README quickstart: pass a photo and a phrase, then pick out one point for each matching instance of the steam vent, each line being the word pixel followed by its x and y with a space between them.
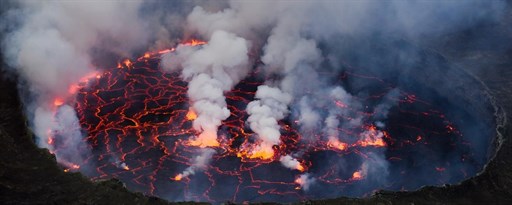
pixel 240 102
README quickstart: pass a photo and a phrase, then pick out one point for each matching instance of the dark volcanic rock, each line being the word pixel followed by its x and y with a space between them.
pixel 475 51
pixel 29 175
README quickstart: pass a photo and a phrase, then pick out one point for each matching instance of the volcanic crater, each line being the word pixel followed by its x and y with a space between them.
pixel 440 130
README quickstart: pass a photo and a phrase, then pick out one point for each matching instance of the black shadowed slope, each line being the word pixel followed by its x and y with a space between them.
pixel 29 175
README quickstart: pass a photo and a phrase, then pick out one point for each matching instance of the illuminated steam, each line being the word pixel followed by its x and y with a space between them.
pixel 199 163
pixel 305 181
pixel 265 112
pixel 50 50
pixel 53 46
pixel 211 70
pixel 291 163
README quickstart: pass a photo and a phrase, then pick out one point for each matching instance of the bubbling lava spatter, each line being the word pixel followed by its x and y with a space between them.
pixel 139 125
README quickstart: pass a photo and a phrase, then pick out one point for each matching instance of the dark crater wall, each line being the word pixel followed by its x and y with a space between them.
pixel 29 175
pixel 29 171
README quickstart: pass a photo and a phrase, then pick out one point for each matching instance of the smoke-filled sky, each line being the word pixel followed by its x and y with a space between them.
pixel 52 45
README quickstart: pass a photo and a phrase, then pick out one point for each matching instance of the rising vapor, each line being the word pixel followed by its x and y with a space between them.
pixel 58 47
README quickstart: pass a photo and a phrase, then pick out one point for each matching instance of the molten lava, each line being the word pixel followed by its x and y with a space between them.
pixel 138 122
pixel 58 102
pixel 335 143
pixel 357 175
pixel 259 152
pixel 194 42
pixel 205 139
pixel 191 115
pixel 178 177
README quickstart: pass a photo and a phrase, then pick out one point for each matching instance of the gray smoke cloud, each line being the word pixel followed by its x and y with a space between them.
pixel 291 51
pixel 55 44
pixel 50 49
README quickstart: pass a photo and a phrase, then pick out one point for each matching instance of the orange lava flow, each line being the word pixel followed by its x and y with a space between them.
pixel 205 139
pixel 300 168
pixel 194 42
pixel 191 115
pixel 257 152
pixel 178 177
pixel 357 175
pixel 335 143
pixel 58 102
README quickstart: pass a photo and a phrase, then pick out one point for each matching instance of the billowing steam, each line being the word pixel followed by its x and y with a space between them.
pixel 52 50
pixel 61 127
pixel 265 113
pixel 305 181
pixel 211 70
pixel 56 45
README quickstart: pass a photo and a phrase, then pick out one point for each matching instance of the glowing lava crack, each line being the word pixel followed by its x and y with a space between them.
pixel 138 122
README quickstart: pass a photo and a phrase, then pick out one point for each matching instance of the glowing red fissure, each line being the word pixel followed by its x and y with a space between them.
pixel 164 96
pixel 252 154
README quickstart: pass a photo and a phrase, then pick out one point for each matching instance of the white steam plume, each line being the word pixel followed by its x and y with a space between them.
pixel 264 114
pixel 64 129
pixel 340 100
pixel 211 70
pixel 51 50
pixel 305 181
pixel 291 163
pixel 381 111
pixel 198 163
